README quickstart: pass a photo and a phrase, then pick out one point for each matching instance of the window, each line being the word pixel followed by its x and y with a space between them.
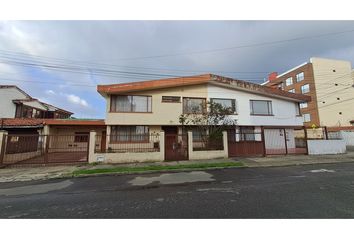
pixel 303 105
pixel 129 134
pixel 247 134
pixel 198 134
pixel 292 90
pixel 121 103
pixel 289 81
pixel 300 77
pixel 36 113
pixel 297 109
pixel 27 112
pixel 307 117
pixel 305 88
pixel 226 103
pixel 281 86
pixel 171 99
pixel 194 105
pixel 261 107
pixel 81 137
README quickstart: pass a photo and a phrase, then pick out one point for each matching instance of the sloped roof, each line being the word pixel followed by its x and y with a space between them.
pixel 35 122
pixel 200 79
pixel 19 89
pixel 76 122
pixel 46 106
pixel 21 122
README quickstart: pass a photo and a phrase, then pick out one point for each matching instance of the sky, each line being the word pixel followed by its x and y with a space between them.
pixel 82 54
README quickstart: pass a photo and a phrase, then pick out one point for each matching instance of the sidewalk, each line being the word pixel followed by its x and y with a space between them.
pixel 42 173
pixel 290 160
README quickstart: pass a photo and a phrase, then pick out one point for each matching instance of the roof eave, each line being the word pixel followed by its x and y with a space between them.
pixel 294 99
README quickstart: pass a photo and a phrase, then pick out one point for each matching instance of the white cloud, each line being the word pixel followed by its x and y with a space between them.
pixel 49 92
pixel 77 100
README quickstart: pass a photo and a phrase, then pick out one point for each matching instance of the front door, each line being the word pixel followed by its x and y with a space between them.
pixel 176 145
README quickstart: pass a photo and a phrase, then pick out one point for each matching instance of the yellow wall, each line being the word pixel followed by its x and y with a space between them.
pixel 162 113
pixel 327 93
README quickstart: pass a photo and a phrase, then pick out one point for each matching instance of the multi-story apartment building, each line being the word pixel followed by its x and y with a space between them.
pixel 330 84
pixel 265 116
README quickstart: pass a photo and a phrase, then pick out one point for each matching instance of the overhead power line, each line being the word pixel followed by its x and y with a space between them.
pixel 237 47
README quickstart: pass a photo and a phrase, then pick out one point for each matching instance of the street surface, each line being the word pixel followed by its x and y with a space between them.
pixel 308 191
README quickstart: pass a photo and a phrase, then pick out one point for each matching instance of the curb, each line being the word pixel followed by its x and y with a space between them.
pixel 151 171
pixel 295 164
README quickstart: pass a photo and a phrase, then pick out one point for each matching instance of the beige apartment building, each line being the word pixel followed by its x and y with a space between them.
pixel 329 82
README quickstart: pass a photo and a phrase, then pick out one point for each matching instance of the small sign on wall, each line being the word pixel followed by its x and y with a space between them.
pixel 100 158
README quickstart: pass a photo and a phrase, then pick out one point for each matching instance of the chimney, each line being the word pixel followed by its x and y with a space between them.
pixel 272 76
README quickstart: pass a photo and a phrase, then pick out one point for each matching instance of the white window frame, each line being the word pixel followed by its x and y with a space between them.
pixel 306 117
pixel 298 77
pixel 303 105
pixel 289 81
pixel 292 90
pixel 302 88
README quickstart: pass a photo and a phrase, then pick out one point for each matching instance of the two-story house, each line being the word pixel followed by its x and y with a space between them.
pixel 18 104
pixel 266 117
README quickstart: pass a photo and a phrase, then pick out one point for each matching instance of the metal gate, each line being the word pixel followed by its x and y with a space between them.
pixel 44 149
pixel 176 147
pixel 245 144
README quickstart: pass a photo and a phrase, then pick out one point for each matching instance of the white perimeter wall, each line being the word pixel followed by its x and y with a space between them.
pixel 284 111
pixel 348 138
pixel 317 147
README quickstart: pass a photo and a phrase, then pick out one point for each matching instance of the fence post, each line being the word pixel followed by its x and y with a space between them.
pixel 162 145
pixel 307 147
pixel 225 142
pixel 286 142
pixel 326 132
pixel 46 148
pixel 263 141
pixel 91 146
pixel 3 134
pixel 190 145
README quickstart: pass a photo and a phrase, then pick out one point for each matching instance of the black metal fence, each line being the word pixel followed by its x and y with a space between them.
pixel 208 143
pixel 122 143
pixel 43 149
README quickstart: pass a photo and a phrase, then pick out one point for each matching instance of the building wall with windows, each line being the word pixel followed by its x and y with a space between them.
pixel 301 79
pixel 283 113
pixel 329 82
pixel 268 111
pixel 162 113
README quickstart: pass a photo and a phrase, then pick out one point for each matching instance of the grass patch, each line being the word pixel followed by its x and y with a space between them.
pixel 157 168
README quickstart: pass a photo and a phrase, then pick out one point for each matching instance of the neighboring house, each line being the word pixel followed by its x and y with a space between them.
pixel 266 117
pixel 330 84
pixel 33 141
pixel 15 103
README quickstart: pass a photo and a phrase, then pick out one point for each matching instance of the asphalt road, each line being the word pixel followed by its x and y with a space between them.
pixel 312 191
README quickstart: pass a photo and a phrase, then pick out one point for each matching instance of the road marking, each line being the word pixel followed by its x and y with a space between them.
pixel 174 178
pixel 35 189
pixel 322 170
pixel 223 190
pixel 226 182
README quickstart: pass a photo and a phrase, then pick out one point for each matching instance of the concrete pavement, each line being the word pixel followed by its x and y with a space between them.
pixel 40 173
pixel 289 160
pixel 306 191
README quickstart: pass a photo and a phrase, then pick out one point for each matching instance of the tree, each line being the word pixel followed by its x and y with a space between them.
pixel 210 121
